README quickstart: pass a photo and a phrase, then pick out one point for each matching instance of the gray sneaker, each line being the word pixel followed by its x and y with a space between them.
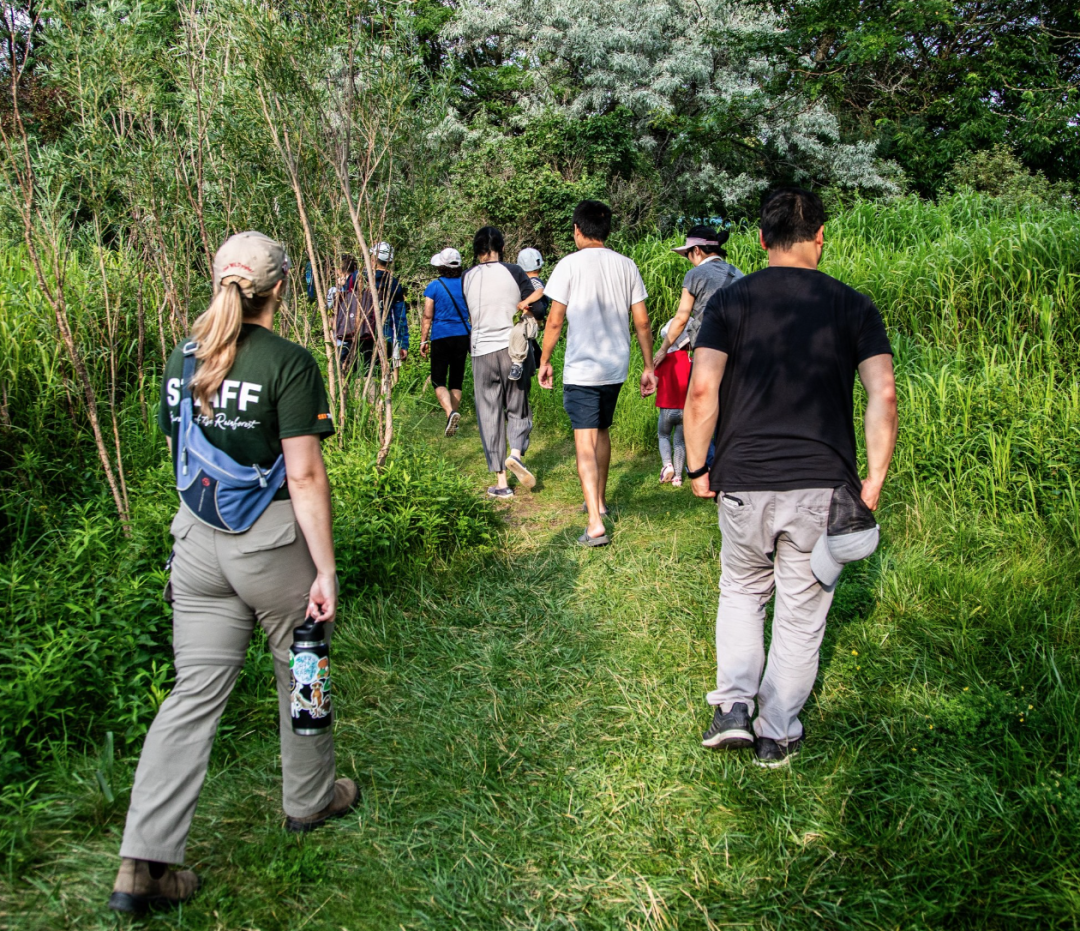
pixel 521 471
pixel 729 731
pixel 495 492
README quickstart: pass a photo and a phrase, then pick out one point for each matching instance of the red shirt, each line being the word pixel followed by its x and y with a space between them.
pixel 672 379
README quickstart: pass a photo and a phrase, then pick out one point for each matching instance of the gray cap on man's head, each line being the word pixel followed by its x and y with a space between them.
pixel 530 260
pixel 251 257
pixel 852 534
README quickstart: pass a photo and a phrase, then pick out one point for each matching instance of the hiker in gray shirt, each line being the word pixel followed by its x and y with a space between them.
pixel 704 247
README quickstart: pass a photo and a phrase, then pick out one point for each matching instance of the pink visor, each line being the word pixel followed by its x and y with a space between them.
pixel 692 241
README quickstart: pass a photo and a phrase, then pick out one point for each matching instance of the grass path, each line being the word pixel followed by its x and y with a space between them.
pixel 525 731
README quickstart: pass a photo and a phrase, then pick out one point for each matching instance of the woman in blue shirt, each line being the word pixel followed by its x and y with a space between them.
pixel 444 334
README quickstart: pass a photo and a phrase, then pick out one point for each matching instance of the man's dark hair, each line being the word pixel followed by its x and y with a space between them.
pixel 790 215
pixel 346 263
pixel 707 232
pixel 487 239
pixel 593 219
pixel 450 271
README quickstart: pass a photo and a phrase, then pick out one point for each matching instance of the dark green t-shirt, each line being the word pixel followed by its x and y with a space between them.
pixel 273 391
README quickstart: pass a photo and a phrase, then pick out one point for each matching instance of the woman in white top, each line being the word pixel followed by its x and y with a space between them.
pixel 494 292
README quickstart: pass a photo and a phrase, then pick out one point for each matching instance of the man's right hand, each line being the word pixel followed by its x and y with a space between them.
pixel 871 493
pixel 546 375
pixel 648 383
pixel 425 349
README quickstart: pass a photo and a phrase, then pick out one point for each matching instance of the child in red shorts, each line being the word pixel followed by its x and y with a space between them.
pixel 672 381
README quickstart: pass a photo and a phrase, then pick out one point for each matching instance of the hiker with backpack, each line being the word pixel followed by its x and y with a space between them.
pixel 444 335
pixel 394 307
pixel 704 248
pixel 355 320
pixel 244 413
pixel 352 338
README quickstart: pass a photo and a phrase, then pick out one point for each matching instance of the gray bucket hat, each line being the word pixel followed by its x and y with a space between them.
pixel 253 257
pixel 852 534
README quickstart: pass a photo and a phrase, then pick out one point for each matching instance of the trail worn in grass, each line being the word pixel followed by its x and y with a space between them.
pixel 525 727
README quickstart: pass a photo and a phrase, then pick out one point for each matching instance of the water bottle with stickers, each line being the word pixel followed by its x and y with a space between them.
pixel 309 674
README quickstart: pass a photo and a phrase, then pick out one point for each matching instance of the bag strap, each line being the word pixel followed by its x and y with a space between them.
pixel 190 348
pixel 453 301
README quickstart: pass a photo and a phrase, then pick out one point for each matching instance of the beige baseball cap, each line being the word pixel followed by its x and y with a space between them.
pixel 252 257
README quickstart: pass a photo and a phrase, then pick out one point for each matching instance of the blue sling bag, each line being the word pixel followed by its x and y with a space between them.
pixel 218 490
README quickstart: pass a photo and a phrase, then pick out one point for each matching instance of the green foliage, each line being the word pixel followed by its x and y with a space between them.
pixel 999 173
pixel 933 82
pixel 529 184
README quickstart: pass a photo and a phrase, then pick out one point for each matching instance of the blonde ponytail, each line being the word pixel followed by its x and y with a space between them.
pixel 216 331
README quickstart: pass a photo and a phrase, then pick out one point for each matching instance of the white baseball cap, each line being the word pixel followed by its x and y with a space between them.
pixel 448 258
pixel 530 260
pixel 383 251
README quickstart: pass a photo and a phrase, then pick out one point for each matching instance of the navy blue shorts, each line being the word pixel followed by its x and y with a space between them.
pixel 591 407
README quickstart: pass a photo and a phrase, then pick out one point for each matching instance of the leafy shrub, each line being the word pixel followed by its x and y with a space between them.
pixel 999 173
pixel 87 646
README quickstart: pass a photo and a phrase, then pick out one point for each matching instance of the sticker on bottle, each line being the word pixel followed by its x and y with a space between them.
pixel 305 668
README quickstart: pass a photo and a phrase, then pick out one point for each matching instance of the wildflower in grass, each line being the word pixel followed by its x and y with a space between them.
pixel 854 652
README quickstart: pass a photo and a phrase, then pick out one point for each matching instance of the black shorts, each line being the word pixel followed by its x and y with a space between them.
pixel 591 407
pixel 448 357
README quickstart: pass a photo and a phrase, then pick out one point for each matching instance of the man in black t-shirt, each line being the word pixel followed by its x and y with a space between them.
pixel 785 343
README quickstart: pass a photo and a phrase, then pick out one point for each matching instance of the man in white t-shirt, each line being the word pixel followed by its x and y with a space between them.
pixel 597 292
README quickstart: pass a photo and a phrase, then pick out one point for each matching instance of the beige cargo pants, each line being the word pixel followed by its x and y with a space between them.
pixel 223 584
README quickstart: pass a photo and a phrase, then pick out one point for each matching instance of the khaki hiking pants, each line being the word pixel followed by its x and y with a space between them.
pixel 223 584
pixel 525 329
pixel 766 545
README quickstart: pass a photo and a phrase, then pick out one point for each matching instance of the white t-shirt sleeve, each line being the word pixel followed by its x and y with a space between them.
pixel 637 286
pixel 558 285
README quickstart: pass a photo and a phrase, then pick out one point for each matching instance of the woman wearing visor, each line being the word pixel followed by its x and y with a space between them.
pixel 704 248
pixel 256 397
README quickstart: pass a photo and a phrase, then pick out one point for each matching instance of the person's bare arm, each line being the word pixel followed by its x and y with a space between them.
pixel 677 325
pixel 702 409
pixel 552 331
pixel 523 304
pixel 880 423
pixel 425 326
pixel 309 489
pixel 640 316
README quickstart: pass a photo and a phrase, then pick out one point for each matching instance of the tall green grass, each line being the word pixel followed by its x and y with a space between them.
pixel 524 716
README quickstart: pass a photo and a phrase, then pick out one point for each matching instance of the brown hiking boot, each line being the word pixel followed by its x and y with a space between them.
pixel 136 891
pixel 346 795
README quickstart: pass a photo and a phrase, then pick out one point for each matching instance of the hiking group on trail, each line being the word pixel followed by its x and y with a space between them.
pixel 760 416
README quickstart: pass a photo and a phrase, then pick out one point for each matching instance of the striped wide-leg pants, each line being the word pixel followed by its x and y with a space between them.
pixel 502 406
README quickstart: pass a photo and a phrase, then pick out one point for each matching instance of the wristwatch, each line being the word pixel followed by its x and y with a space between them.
pixel 697 473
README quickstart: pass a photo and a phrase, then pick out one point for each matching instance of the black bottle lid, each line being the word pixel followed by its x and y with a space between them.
pixel 311 631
